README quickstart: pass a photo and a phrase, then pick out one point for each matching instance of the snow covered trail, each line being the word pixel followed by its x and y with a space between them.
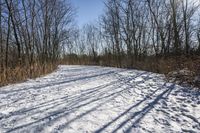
pixel 82 99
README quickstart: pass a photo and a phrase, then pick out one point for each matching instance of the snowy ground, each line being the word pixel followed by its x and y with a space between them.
pixel 82 99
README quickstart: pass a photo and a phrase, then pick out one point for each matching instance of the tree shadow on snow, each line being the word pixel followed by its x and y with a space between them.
pixel 100 95
pixel 139 114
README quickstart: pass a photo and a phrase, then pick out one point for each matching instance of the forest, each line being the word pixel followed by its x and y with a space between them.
pixel 153 35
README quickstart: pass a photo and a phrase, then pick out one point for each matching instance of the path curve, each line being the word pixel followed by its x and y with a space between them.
pixel 82 99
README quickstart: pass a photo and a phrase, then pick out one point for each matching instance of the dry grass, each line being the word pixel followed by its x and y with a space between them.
pixel 168 65
pixel 22 73
pixel 163 65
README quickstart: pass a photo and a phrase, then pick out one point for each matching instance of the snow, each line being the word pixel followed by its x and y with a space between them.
pixel 84 99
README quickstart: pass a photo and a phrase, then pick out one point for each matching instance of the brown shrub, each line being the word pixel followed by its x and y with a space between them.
pixel 22 73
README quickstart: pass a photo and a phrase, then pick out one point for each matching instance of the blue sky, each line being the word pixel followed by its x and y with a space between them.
pixel 88 10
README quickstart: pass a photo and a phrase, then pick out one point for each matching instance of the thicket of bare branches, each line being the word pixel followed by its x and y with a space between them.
pixel 33 31
pixel 32 35
pixel 131 30
pixel 139 28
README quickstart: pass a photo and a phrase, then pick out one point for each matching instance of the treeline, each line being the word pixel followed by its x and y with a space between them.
pixel 132 31
pixel 32 35
pixel 145 27
pixel 153 35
